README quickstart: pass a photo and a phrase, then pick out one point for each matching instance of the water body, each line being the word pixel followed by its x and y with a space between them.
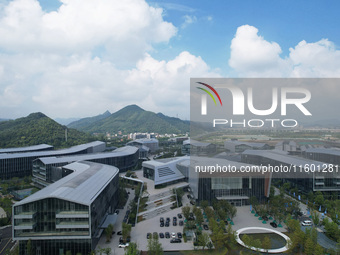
pixel 276 240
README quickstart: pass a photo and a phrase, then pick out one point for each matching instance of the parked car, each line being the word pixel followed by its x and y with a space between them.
pixel 167 235
pixel 167 224
pixel 306 223
pixel 148 235
pixel 205 227
pixel 175 240
pixel 179 234
pixel 174 223
pixel 179 216
pixel 123 245
pixel 167 219
pixel 173 235
pixel 161 219
pixel 273 224
pixel 161 235
pixel 119 233
pixel 174 218
pixel 180 223
pixel 161 224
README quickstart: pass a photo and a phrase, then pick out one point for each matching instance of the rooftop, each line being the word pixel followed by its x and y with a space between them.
pixel 39 154
pixel 120 152
pixel 82 186
pixel 330 151
pixel 282 156
pixel 27 148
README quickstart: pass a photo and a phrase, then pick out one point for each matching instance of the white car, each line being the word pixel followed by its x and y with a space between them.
pixel 123 245
pixel 173 235
pixel 306 223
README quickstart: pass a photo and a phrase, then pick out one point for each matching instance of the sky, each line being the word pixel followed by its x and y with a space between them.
pixel 79 58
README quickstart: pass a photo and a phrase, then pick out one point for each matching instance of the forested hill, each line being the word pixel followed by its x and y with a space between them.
pixel 132 119
pixel 37 128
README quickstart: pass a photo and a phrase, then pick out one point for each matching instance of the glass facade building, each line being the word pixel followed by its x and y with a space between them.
pixel 68 214
pixel 49 169
pixel 20 164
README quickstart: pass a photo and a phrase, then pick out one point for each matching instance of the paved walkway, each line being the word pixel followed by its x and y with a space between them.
pixel 113 244
pixel 244 218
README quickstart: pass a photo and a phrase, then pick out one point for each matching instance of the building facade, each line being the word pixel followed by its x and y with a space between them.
pixel 303 174
pixel 151 143
pixel 21 164
pixel 68 214
pixel 49 169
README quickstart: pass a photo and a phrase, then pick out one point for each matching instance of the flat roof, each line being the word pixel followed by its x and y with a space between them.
pixel 252 144
pixel 82 186
pixel 26 148
pixel 330 151
pixel 120 152
pixel 195 143
pixel 38 154
pixel 282 157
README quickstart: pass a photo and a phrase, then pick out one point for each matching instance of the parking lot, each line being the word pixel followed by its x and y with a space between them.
pixel 139 232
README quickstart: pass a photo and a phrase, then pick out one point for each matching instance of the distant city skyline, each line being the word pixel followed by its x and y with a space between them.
pixel 75 59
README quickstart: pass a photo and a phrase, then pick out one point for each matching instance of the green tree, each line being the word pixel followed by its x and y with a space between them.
pixel 154 247
pixel 126 230
pixel 186 211
pixel 68 253
pixel 132 249
pixel 266 244
pixel 203 240
pixel 315 218
pixel 309 246
pixel 204 204
pixel 29 248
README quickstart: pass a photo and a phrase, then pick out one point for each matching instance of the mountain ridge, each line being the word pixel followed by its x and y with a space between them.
pixel 37 128
pixel 130 119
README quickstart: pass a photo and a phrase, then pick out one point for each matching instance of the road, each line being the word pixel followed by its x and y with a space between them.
pixel 6 239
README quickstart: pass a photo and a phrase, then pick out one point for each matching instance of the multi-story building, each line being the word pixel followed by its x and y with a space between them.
pixel 238 146
pixel 20 164
pixel 305 174
pixel 49 169
pixel 151 143
pixel 67 215
pixel 237 188
pixel 192 147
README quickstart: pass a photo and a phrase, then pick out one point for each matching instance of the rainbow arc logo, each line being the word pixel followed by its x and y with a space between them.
pixel 209 93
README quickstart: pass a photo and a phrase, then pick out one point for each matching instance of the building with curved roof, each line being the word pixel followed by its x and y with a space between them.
pixel 68 214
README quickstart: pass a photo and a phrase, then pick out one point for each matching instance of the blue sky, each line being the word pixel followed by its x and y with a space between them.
pixel 77 58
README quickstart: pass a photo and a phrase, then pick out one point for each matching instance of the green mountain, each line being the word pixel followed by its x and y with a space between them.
pixel 37 128
pixel 132 119
pixel 79 124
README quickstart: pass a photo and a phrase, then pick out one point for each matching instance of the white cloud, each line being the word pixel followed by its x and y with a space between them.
pixel 188 19
pixel 252 56
pixel 129 26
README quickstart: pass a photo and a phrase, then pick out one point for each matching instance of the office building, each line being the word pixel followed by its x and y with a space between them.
pixel 151 143
pixel 192 147
pixel 47 170
pixel 20 164
pixel 238 146
pixel 68 215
